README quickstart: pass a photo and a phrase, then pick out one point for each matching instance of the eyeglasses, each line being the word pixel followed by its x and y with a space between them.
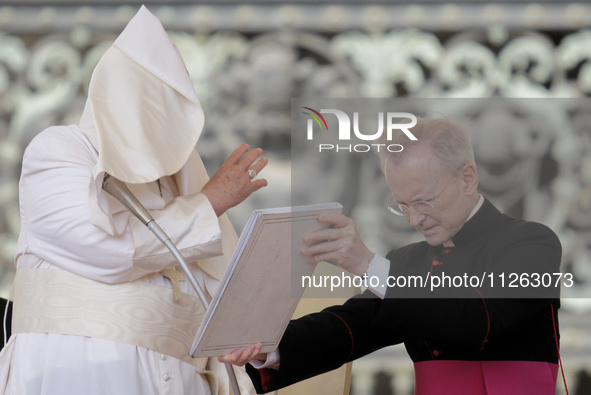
pixel 421 207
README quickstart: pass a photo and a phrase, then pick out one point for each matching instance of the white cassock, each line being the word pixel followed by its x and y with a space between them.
pixel 140 124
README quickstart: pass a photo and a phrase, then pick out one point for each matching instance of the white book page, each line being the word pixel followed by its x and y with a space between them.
pixel 256 300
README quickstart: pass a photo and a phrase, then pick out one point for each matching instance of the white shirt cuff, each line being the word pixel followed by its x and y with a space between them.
pixel 272 361
pixel 379 267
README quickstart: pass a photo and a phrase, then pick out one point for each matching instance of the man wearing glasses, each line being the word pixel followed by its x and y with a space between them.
pixel 464 338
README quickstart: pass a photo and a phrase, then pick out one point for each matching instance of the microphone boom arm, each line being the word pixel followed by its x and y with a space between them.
pixel 119 191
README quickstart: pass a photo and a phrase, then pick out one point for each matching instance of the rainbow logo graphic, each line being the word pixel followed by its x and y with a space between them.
pixel 315 117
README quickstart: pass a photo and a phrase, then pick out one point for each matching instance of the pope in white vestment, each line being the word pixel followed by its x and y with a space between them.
pixel 93 314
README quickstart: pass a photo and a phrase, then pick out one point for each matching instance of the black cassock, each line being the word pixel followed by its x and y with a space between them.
pixel 8 320
pixel 500 319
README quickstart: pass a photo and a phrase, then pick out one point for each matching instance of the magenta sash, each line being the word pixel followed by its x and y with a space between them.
pixel 485 378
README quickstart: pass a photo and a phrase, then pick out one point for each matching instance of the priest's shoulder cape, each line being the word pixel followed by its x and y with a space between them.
pixel 457 324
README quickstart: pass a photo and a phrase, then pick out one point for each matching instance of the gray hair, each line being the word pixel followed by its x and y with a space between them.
pixel 449 141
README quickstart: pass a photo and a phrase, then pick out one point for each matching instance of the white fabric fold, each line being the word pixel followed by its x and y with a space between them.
pixel 142 114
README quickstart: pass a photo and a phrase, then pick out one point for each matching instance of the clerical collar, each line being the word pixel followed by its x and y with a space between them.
pixel 450 242
pixel 476 208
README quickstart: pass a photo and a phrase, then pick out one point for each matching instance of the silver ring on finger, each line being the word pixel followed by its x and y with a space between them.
pixel 252 173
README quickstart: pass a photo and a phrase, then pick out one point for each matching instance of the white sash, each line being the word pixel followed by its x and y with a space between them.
pixel 146 315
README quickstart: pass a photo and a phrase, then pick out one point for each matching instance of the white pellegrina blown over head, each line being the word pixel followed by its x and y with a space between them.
pixel 142 114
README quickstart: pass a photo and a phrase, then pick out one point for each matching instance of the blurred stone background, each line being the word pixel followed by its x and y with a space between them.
pixel 248 59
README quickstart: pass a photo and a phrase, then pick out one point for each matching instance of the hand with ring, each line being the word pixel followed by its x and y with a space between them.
pixel 234 181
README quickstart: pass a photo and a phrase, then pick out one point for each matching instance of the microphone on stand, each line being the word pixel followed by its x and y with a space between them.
pixel 119 191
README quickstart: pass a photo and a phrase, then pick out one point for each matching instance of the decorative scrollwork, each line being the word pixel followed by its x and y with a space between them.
pixel 386 61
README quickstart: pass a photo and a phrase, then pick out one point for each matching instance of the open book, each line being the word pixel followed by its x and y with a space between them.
pixel 262 285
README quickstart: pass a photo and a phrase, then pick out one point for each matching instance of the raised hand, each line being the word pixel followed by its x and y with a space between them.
pixel 340 243
pixel 232 183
